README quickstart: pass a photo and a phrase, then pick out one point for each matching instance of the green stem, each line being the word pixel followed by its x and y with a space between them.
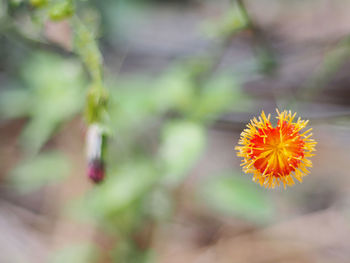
pixel 87 49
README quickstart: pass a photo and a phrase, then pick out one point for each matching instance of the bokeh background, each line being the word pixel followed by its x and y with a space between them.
pixel 184 78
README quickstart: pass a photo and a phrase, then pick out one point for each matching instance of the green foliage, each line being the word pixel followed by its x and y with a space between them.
pixel 131 104
pixel 183 142
pixel 174 90
pixel 15 2
pixel 123 187
pixel 47 167
pixel 61 10
pixel 55 10
pixel 81 253
pixel 234 20
pixel 53 95
pixel 15 103
pixel 232 194
pixel 219 94
pixel 38 3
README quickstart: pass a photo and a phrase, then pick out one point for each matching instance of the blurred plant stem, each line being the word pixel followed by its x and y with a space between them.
pixel 332 61
pixel 218 53
pixel 88 51
pixel 263 50
pixel 266 58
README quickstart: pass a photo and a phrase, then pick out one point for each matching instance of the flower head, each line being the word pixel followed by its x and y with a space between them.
pixel 275 154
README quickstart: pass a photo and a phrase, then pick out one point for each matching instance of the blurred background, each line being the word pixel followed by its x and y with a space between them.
pixel 183 80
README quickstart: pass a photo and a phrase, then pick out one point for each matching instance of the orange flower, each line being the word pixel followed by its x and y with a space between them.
pixel 275 154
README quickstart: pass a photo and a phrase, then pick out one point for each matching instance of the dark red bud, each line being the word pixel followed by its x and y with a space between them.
pixel 96 171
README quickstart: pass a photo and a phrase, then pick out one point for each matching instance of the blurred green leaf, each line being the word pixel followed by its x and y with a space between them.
pixel 182 144
pixel 131 104
pixel 38 3
pixel 55 94
pixel 220 94
pixel 232 194
pixel 175 90
pixel 81 253
pixel 139 99
pixel 35 172
pixel 61 10
pixel 234 20
pixel 15 103
pixel 15 2
pixel 123 187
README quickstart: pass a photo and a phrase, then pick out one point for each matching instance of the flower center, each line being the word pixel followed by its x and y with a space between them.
pixel 277 151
